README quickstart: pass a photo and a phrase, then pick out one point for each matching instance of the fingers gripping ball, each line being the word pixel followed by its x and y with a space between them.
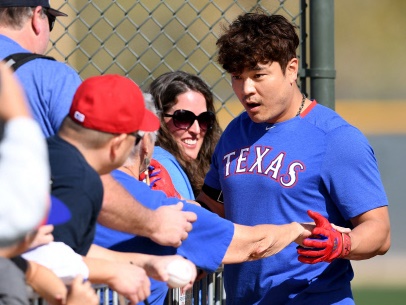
pixel 326 243
pixel 180 273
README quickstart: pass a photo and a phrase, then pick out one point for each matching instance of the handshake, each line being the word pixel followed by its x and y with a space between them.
pixel 326 243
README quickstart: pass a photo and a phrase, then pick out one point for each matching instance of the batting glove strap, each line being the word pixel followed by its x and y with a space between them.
pixel 346 238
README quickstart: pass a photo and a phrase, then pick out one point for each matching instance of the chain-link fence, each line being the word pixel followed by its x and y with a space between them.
pixel 145 38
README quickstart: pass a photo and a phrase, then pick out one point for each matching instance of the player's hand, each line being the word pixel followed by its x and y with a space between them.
pixel 325 244
pixel 171 225
pixel 160 179
pixel 81 293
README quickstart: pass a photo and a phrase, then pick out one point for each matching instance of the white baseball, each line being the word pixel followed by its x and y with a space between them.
pixel 179 272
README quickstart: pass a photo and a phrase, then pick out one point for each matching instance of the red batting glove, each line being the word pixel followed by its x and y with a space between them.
pixel 326 243
pixel 160 179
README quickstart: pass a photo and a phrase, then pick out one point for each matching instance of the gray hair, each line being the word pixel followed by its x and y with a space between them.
pixel 150 105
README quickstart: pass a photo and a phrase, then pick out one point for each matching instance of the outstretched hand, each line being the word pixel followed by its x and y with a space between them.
pixel 172 225
pixel 326 243
pixel 157 268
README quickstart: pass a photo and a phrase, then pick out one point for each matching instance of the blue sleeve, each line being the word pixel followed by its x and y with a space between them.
pixel 209 239
pixel 178 175
pixel 50 87
pixel 64 86
pixel 350 173
pixel 205 246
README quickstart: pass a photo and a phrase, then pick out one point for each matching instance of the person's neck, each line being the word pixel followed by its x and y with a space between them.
pixel 94 157
pixel 132 170
pixel 22 37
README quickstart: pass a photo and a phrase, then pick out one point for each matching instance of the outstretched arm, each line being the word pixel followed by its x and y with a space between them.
pixel 167 225
pixel 255 242
pixel 128 280
pixel 155 265
pixel 260 241
pixel 46 283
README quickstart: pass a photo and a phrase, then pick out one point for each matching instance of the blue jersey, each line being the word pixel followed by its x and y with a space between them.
pixel 179 178
pixel 274 173
pixel 205 246
pixel 49 86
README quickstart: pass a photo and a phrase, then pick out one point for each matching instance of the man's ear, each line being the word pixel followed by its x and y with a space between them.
pixel 37 20
pixel 292 69
pixel 115 145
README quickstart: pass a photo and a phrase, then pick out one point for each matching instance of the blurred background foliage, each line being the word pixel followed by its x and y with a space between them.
pixel 370 49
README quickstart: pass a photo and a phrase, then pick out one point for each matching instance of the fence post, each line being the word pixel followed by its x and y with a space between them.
pixel 322 70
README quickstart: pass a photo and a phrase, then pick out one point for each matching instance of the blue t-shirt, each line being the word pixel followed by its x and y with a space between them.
pixel 178 175
pixel 49 86
pixel 79 186
pixel 205 246
pixel 274 173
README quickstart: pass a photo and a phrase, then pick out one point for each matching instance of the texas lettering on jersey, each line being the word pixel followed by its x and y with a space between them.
pixel 253 160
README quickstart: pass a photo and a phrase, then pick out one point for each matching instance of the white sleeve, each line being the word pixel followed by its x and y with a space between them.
pixel 61 259
pixel 24 179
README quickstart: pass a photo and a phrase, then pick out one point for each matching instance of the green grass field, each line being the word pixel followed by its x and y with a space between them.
pixel 379 296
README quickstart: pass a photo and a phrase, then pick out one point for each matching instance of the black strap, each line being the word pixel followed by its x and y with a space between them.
pixel 16 60
pixel 213 193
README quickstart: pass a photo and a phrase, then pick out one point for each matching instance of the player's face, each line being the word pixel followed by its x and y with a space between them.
pixel 190 139
pixel 265 92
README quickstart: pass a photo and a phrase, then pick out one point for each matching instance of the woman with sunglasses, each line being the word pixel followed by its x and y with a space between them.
pixel 189 129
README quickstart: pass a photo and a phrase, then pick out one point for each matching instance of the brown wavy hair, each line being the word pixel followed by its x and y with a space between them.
pixel 255 38
pixel 165 90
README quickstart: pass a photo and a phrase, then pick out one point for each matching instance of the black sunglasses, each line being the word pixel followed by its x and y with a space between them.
pixel 51 19
pixel 138 136
pixel 184 119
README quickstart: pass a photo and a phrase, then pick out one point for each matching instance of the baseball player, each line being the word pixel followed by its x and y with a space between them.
pixel 286 155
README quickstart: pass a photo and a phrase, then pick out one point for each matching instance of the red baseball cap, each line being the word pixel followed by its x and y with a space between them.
pixel 112 103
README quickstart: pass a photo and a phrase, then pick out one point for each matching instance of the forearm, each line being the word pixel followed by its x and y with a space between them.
pixel 45 283
pixel 253 243
pixel 371 235
pixel 138 259
pixel 101 271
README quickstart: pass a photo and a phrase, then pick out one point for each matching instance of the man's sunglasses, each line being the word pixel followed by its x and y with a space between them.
pixel 184 119
pixel 51 19
pixel 138 136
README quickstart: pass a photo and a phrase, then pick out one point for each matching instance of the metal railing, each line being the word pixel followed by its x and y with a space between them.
pixel 208 291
